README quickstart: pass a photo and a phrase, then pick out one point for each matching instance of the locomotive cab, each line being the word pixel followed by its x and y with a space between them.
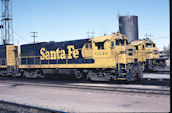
pixel 127 61
pixel 153 60
pixel 113 52
pixel 140 50
pixel 152 50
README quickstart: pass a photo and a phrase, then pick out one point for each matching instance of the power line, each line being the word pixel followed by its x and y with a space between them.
pixel 148 36
pixel 160 38
pixel 20 37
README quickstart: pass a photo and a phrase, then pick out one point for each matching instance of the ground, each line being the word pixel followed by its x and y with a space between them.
pixel 79 100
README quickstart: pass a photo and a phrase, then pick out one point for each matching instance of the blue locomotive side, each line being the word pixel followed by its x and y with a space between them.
pixel 67 52
pixel 2 55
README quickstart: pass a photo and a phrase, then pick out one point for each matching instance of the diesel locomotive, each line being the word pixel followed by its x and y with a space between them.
pixel 148 53
pixel 102 58
pixel 146 50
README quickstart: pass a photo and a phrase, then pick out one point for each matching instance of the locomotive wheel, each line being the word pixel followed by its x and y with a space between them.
pixel 139 72
pixel 139 75
pixel 32 74
pixel 130 75
pixel 107 76
pixel 40 74
pixel 26 74
pixel 93 76
pixel 78 74
pixel 131 72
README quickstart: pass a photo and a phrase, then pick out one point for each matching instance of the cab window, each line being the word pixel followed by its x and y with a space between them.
pixel 137 48
pixel 153 45
pixel 86 45
pixel 100 45
pixel 90 45
pixel 117 42
pixel 148 45
pixel 143 47
pixel 112 44
pixel 122 42
pixel 126 42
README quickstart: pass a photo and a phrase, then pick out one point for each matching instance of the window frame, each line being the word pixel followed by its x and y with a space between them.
pixel 99 45
pixel 143 47
pixel 118 42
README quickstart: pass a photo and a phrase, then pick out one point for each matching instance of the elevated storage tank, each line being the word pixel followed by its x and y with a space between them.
pixel 128 25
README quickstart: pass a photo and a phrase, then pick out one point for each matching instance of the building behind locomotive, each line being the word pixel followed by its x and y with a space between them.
pixel 101 58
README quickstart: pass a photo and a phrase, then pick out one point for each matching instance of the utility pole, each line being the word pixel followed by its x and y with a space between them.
pixel 34 36
pixel 148 36
pixel 6 22
pixel 88 33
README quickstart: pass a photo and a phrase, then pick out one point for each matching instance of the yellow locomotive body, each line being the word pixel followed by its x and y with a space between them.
pixel 110 57
pixel 148 53
pixel 8 60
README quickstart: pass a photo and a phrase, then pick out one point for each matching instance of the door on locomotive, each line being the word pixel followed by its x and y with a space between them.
pixel 12 59
pixel 88 51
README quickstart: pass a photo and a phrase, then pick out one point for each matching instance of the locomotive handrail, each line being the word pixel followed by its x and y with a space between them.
pixel 1 61
pixel 34 57
pixel 29 56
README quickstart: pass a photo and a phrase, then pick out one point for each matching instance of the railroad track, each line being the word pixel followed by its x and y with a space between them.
pixel 132 88
pixel 11 107
pixel 158 72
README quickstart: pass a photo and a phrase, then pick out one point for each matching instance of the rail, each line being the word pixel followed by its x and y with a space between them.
pixel 129 89
pixel 22 108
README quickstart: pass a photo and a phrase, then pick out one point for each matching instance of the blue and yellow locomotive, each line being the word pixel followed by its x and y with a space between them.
pixel 101 58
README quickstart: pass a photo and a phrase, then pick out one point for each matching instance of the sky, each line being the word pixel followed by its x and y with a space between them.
pixel 62 20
